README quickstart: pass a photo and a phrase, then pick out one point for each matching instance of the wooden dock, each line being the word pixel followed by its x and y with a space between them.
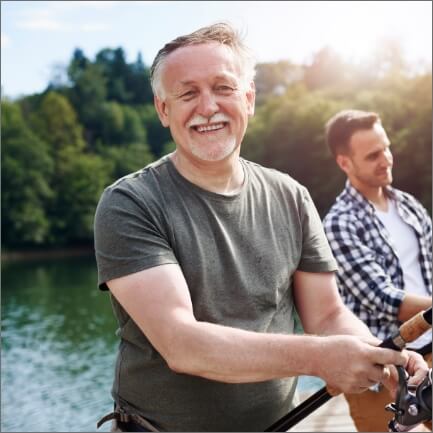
pixel 333 416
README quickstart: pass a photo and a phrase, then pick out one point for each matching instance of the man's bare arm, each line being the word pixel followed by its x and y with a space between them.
pixel 321 308
pixel 322 311
pixel 412 304
pixel 158 301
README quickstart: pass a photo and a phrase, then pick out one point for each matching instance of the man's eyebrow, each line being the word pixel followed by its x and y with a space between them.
pixel 378 151
pixel 372 154
pixel 229 77
pixel 180 87
pixel 187 83
pixel 216 77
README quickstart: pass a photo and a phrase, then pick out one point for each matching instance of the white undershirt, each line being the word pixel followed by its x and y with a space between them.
pixel 406 246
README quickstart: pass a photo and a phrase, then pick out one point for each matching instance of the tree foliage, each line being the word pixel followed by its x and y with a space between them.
pixel 26 170
pixel 62 147
pixel 287 131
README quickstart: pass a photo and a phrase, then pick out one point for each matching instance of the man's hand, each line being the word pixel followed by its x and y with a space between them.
pixel 350 364
pixel 416 367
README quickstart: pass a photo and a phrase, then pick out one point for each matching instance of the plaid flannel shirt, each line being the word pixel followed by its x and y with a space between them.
pixel 370 278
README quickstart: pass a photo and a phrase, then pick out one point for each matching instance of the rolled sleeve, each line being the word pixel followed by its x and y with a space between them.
pixel 360 272
pixel 128 238
pixel 316 253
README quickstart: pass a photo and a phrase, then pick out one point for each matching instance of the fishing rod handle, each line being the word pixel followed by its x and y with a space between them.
pixel 416 326
pixel 408 332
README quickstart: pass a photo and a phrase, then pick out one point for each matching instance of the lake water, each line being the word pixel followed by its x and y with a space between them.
pixel 59 347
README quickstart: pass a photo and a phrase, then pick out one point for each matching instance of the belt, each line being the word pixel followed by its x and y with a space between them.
pixel 131 421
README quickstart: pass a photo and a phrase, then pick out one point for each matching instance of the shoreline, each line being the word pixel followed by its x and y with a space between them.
pixel 48 253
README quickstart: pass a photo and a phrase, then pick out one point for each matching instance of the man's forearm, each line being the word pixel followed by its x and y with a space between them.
pixel 237 356
pixel 343 321
pixel 232 355
pixel 413 304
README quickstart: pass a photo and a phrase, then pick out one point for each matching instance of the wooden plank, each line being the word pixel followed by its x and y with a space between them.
pixel 333 416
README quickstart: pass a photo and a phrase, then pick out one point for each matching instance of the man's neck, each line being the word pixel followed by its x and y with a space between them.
pixel 376 195
pixel 222 177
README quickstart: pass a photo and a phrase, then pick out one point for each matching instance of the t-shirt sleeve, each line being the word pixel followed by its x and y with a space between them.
pixel 129 234
pixel 316 255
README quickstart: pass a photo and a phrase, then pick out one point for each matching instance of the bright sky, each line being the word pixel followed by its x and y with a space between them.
pixel 37 36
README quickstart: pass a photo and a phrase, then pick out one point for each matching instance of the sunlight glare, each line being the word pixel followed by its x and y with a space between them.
pixel 360 29
pixel 358 35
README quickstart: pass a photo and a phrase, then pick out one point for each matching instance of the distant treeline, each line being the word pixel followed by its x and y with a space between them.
pixel 62 147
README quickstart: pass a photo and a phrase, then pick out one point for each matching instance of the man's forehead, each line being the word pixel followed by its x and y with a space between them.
pixel 210 58
pixel 206 48
pixel 364 140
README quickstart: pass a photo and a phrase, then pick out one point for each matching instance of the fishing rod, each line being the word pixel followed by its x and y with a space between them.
pixel 408 332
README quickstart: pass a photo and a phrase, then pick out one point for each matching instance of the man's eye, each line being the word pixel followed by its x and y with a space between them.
pixel 188 95
pixel 225 89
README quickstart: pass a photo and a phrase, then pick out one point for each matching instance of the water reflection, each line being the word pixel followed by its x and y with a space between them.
pixel 58 346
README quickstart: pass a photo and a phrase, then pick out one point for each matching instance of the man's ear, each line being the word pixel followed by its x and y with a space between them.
pixel 251 98
pixel 162 110
pixel 344 162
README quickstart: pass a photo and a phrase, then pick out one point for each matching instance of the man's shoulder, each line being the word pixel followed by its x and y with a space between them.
pixel 137 185
pixel 139 177
pixel 404 196
pixel 410 203
pixel 343 205
pixel 272 176
pixel 344 211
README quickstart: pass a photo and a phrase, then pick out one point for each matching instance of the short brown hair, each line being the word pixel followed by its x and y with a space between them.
pixel 221 32
pixel 341 127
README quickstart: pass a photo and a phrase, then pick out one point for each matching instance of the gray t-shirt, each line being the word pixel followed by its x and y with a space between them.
pixel 238 254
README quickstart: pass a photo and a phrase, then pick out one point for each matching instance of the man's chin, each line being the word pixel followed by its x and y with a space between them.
pixel 388 182
pixel 213 155
pixel 384 181
pixel 383 184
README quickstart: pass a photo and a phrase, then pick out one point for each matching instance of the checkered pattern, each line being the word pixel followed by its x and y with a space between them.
pixel 370 278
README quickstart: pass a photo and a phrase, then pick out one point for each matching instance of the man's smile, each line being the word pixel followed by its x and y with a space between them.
pixel 209 127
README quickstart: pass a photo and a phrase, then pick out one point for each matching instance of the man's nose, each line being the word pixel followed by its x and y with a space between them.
pixel 207 104
pixel 387 158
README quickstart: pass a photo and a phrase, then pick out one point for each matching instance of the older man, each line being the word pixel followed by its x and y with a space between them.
pixel 206 255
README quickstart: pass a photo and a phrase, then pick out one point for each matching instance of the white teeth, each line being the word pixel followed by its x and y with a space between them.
pixel 212 127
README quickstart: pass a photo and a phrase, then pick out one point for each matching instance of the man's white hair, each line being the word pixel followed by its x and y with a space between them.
pixel 222 33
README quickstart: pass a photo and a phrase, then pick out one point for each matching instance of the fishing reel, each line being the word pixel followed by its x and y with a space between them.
pixel 413 404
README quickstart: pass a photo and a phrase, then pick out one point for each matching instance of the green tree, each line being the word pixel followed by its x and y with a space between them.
pixel 121 124
pixel 127 158
pixel 83 178
pixel 87 95
pixel 137 82
pixel 134 130
pixel 112 122
pixel 26 171
pixel 157 135
pixel 78 178
pixel 62 146
pixel 274 78
pixel 56 123
pixel 113 66
pixel 287 132
pixel 77 65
